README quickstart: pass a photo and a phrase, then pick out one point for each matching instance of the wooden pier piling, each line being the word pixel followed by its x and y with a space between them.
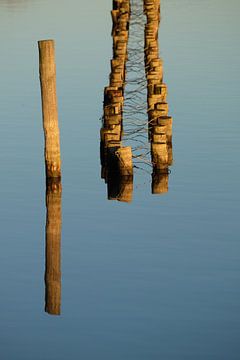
pixel 159 123
pixel 47 72
pixel 116 160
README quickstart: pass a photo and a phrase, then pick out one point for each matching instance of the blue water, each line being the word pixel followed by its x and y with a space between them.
pixel 156 278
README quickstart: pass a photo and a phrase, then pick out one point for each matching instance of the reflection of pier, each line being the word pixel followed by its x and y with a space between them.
pixel 53 247
pixel 14 4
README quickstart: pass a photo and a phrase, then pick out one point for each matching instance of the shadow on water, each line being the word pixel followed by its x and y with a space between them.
pixel 119 187
pixel 53 247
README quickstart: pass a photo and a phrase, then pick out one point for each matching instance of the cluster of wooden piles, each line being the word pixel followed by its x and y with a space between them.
pixel 160 124
pixel 116 160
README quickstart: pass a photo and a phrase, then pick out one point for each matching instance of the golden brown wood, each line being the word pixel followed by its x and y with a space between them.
pixel 159 152
pixel 47 72
pixel 53 248
pixel 159 182
pixel 124 155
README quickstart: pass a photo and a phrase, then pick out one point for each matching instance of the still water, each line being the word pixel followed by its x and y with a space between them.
pixel 155 278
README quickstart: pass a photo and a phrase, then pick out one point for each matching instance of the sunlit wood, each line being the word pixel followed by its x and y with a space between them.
pixel 47 71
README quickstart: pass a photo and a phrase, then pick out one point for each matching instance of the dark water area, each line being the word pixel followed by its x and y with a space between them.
pixel 154 278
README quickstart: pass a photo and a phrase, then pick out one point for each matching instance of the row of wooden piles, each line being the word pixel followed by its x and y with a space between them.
pixel 116 160
pixel 159 123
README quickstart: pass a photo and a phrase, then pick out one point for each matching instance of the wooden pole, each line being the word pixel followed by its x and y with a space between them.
pixel 53 247
pixel 47 72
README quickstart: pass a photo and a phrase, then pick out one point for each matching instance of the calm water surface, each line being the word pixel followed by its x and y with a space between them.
pixel 154 279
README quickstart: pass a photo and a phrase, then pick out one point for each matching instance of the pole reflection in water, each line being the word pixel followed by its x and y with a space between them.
pixel 13 5
pixel 53 247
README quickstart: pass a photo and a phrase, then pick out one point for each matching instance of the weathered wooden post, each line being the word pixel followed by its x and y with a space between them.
pixel 53 247
pixel 47 72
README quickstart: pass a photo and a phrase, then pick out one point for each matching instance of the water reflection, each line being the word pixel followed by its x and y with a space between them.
pixel 53 247
pixel 14 4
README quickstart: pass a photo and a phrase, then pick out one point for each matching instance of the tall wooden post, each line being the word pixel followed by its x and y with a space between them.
pixel 53 247
pixel 47 71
